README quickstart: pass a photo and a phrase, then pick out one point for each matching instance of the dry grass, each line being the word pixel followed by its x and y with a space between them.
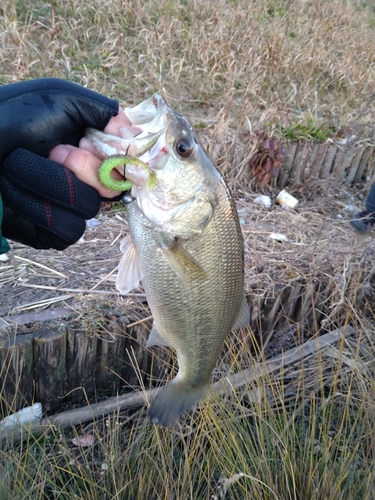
pixel 305 432
pixel 269 62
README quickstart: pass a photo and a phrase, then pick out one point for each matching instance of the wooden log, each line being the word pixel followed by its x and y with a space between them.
pixel 353 164
pixel 319 305
pixel 311 162
pixel 320 153
pixel 287 163
pixel 272 313
pixel 255 301
pixel 328 161
pixel 108 370
pixel 304 160
pixel 289 307
pixel 16 370
pixel 81 365
pixel 365 161
pixel 342 163
pixel 370 168
pixel 56 365
pixel 303 153
pixel 50 366
pixel 303 303
pixel 307 310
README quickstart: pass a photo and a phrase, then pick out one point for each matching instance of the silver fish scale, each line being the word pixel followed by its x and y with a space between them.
pixel 194 317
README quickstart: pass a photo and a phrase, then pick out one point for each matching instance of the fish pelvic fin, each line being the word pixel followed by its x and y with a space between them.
pixel 129 269
pixel 182 263
pixel 174 399
pixel 243 317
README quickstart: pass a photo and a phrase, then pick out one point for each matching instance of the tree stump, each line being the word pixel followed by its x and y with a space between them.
pixel 53 363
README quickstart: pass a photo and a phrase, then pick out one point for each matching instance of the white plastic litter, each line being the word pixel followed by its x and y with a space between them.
pixel 93 223
pixel 263 200
pixel 30 415
pixel 351 208
pixel 278 237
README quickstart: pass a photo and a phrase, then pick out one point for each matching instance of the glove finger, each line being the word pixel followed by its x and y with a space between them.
pixel 40 114
pixel 38 223
pixel 50 181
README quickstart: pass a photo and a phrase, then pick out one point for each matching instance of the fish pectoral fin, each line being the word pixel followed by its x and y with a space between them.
pixel 243 317
pixel 155 339
pixel 182 263
pixel 129 269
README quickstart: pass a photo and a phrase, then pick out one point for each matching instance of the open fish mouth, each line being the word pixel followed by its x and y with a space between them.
pixel 151 117
pixel 147 114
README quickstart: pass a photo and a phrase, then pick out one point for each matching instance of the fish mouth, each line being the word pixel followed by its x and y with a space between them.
pixel 151 117
pixel 152 145
pixel 145 112
pixel 108 144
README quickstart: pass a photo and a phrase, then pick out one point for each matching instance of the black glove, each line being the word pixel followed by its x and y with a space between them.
pixel 45 204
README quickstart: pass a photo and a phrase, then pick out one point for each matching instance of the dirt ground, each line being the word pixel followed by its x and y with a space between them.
pixel 82 277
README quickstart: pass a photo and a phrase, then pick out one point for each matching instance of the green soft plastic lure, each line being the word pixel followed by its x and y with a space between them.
pixel 115 161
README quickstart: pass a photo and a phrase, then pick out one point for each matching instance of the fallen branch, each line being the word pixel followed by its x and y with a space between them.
pixel 78 416
pixel 24 319
pixel 288 358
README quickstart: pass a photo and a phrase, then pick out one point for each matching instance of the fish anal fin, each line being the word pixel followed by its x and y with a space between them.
pixel 155 339
pixel 182 263
pixel 243 317
pixel 129 269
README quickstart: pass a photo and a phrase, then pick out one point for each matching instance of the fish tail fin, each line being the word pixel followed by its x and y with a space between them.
pixel 173 400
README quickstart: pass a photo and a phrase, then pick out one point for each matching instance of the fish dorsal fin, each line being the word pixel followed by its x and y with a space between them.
pixel 182 263
pixel 129 269
pixel 243 317
pixel 155 339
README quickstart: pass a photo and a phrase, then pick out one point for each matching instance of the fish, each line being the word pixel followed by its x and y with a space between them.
pixel 186 247
pixel 149 117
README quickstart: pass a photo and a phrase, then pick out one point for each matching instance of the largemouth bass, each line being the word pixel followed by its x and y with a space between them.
pixel 186 246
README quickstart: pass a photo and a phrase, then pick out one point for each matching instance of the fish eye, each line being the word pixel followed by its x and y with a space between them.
pixel 184 148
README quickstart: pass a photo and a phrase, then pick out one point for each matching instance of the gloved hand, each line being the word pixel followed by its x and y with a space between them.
pixel 45 205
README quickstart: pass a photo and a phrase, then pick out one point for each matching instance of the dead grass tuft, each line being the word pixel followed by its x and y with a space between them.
pixel 269 62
